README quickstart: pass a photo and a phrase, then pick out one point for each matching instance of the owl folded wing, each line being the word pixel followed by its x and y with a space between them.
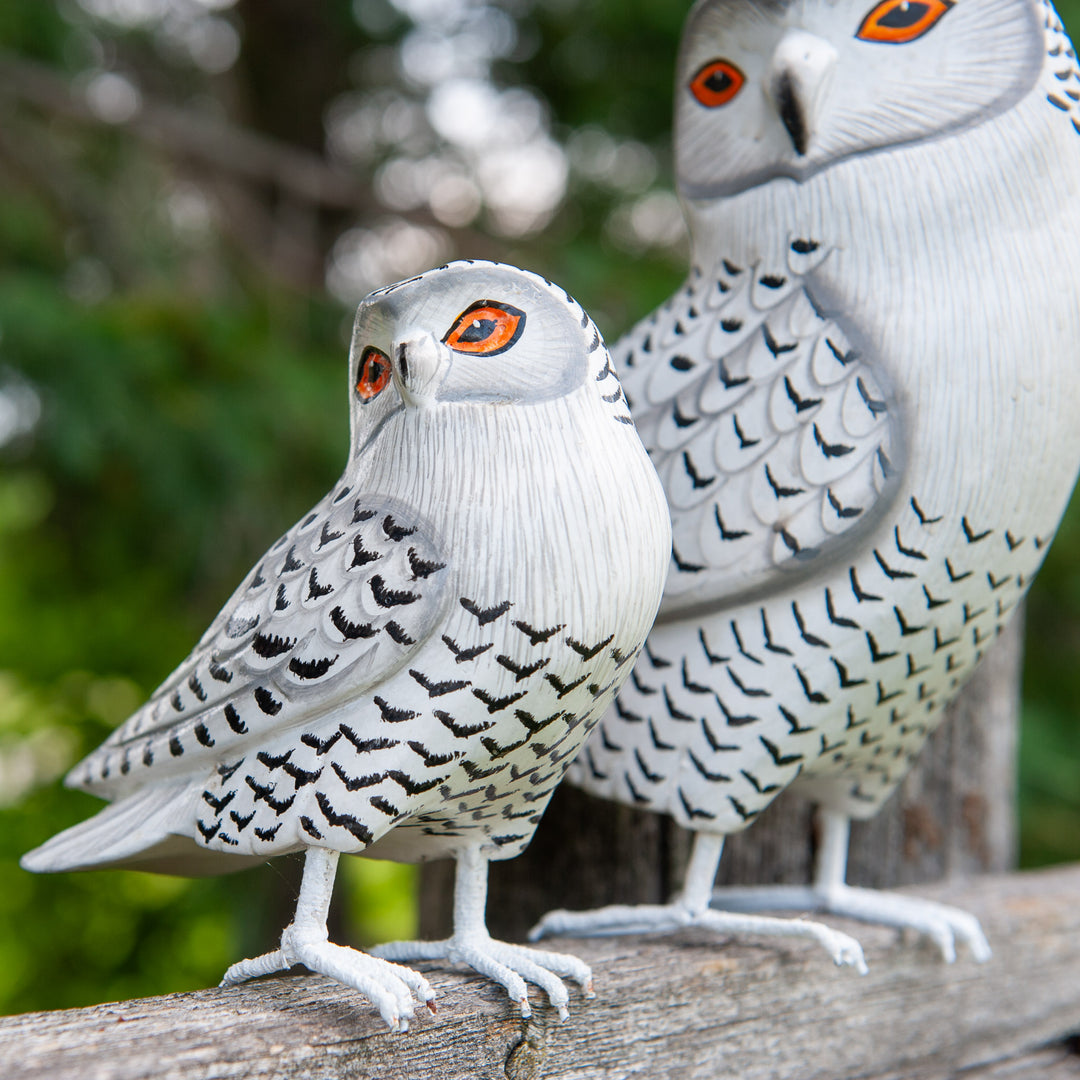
pixel 336 606
pixel 772 432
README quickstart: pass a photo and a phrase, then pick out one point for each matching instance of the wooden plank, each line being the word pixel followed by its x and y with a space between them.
pixel 688 1006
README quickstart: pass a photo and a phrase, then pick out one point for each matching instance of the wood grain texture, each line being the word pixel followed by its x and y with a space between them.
pixel 686 1006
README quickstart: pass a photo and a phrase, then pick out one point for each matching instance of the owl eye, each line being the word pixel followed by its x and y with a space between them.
pixel 374 373
pixel 716 83
pixel 486 328
pixel 899 21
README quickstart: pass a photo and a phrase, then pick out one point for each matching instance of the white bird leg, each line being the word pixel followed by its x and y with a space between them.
pixel 944 925
pixel 691 908
pixel 304 941
pixel 508 965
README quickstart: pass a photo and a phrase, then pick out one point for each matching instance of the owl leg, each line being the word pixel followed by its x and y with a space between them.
pixel 691 908
pixel 944 925
pixel 508 965
pixel 304 941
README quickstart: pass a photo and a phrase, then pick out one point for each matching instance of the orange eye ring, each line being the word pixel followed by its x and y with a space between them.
pixel 486 328
pixel 896 22
pixel 716 83
pixel 374 373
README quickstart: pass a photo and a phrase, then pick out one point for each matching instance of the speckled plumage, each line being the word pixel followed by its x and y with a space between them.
pixel 411 668
pixel 862 403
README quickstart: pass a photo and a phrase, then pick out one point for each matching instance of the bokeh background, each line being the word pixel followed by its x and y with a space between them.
pixel 194 194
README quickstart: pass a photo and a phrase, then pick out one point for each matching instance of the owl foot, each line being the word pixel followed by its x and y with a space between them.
pixel 944 925
pixel 508 965
pixel 667 918
pixel 388 987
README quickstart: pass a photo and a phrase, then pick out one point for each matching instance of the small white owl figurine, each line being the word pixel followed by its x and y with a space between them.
pixel 408 672
pixel 863 407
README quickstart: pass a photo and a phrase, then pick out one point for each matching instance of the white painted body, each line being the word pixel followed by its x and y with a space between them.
pixel 947 269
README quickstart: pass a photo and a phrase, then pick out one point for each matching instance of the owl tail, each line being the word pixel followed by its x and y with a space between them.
pixel 137 832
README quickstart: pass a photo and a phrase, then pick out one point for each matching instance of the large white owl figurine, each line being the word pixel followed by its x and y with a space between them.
pixel 408 672
pixel 864 406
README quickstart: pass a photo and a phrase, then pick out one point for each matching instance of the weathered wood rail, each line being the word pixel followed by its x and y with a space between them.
pixel 688 1006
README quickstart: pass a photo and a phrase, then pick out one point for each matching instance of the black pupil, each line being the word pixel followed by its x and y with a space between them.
pixel 373 371
pixel 718 81
pixel 904 15
pixel 478 330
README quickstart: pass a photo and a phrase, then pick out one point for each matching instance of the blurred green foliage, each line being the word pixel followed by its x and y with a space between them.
pixel 192 406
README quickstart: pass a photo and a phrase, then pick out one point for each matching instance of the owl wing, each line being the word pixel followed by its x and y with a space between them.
pixel 335 607
pixel 773 434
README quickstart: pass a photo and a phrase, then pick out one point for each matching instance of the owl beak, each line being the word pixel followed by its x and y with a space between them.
pixel 798 81
pixel 416 361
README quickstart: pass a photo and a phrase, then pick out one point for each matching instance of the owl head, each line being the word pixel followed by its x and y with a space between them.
pixel 785 88
pixel 469 332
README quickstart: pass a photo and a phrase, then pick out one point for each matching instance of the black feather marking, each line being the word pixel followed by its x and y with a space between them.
pixel 696 479
pixel 462 655
pixel 265 793
pixel 714 777
pixel 423 568
pixel 876 654
pixel 218 673
pixel 889 572
pixel 361 515
pixel 744 442
pixel 365 746
pixel 302 777
pixel 485 615
pixel 196 687
pixel 291 562
pixel 676 713
pixel 232 717
pixel 272 762
pixel 207 831
pixel 810 639
pixel 536 637
pixel 771 343
pixel 682 565
pixel 830 450
pixel 563 688
pixel 411 786
pixel 815 697
pixel 345 821
pixel 846 681
pixel 361 556
pixel 691 811
pixel 175 746
pixel 394 531
pixel 716 745
pixel 438 689
pixel 310 828
pixel 386 597
pixel 312 669
pixel 241 823
pixel 494 704
pixel 838 620
pixel 315 590
pixel 267 834
pixel 713 658
pixel 327 536
pixel 625 714
pixel 693 687
pixel 218 804
pixel 399 634
pixel 392 715
pixel 431 760
pixel 320 746
pixel 587 652
pixel 384 805
pixel 793 722
pixel 532 723
pixel 270 645
pixel 520 671
pixel 749 691
pixel 266 701
pixel 282 601
pixel 355 783
pixel 175 701
pixel 237 627
pixel 779 490
pixel 350 630
pixel 202 733
pixel 859 593
pixel 460 731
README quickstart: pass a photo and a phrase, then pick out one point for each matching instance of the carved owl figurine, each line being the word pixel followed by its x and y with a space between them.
pixel 862 406
pixel 408 672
